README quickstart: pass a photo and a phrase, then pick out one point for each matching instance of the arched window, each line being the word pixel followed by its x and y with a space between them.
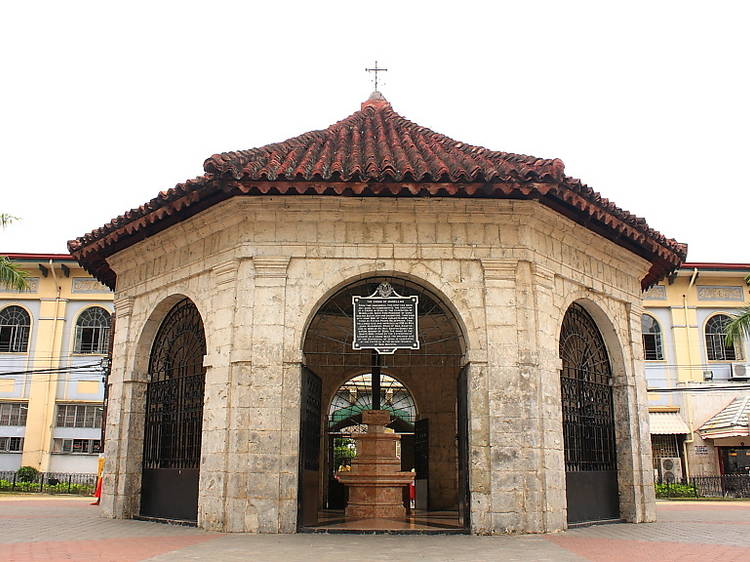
pixel 15 324
pixel 355 395
pixel 716 333
pixel 652 346
pixel 92 331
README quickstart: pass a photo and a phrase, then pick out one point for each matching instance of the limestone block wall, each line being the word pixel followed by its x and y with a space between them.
pixel 257 268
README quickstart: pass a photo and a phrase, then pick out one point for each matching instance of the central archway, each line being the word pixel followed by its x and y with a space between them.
pixel 433 377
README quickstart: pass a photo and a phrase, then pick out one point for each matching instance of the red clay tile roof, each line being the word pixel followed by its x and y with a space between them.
pixel 377 144
pixel 376 152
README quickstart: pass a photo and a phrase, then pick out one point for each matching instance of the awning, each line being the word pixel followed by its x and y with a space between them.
pixel 667 423
pixel 732 421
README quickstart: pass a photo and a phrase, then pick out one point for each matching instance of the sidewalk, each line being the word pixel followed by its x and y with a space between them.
pixel 63 528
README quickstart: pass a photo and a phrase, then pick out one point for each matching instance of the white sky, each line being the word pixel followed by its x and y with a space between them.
pixel 103 106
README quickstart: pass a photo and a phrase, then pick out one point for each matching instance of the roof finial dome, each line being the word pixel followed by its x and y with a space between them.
pixel 375 100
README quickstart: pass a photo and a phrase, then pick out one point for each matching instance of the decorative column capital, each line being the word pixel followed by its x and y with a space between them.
pixel 271 266
pixel 635 308
pixel 543 275
pixel 123 306
pixel 499 269
pixel 225 272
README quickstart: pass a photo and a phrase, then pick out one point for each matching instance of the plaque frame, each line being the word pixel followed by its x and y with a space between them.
pixel 385 292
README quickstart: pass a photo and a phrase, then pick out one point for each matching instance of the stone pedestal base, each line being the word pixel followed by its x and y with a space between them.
pixel 375 482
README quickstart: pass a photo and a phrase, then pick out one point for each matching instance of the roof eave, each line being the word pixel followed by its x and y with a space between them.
pixel 186 200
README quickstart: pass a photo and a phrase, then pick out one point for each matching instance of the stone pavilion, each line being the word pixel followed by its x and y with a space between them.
pixel 235 391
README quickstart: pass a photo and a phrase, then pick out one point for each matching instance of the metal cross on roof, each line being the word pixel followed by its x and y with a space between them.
pixel 376 70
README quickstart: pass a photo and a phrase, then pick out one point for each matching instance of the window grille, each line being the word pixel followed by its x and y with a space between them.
pixel 586 389
pixel 652 345
pixel 15 324
pixel 664 446
pixel 355 395
pixel 174 396
pixel 716 333
pixel 79 415
pixel 13 413
pixel 77 446
pixel 92 331
pixel 11 444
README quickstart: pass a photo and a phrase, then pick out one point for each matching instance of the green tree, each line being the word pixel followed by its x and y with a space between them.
pixel 11 276
pixel 739 326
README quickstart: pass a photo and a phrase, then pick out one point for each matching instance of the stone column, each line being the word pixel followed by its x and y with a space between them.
pixel 552 466
pixel 264 418
pixel 527 473
pixel 123 447
pixel 480 459
pixel 217 446
pixel 508 384
pixel 635 472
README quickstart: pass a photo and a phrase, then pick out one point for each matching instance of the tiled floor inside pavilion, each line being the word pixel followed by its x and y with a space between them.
pixel 420 521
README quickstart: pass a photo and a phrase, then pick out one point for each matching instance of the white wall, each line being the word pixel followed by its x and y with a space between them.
pixel 73 463
pixel 10 461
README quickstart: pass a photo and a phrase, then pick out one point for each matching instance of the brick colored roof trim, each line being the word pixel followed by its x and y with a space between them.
pixel 395 155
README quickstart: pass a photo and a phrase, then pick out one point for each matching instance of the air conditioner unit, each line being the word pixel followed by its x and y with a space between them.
pixel 740 371
pixel 671 470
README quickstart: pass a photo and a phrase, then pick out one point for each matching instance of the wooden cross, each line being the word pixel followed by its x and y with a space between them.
pixel 376 70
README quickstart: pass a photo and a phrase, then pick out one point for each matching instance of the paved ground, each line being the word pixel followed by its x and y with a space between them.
pixel 55 528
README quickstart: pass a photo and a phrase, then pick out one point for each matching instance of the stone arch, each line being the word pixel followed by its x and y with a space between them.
pixel 602 310
pixel 618 338
pixel 173 415
pixel 142 330
pixel 443 291
pixel 589 420
pixel 432 375
pixel 146 332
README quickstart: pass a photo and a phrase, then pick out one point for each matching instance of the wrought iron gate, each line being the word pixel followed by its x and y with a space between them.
pixel 174 417
pixel 588 420
pixel 462 415
pixel 309 448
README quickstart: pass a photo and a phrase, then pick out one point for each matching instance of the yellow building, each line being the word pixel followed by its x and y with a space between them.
pixel 699 388
pixel 54 338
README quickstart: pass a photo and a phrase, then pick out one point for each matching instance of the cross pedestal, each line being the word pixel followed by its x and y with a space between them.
pixel 375 481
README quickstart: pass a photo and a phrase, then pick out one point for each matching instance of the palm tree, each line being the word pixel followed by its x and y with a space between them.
pixel 11 276
pixel 739 326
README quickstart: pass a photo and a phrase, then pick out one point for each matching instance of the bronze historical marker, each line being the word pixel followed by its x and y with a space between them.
pixel 385 321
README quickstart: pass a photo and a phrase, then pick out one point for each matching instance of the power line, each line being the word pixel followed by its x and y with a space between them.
pixel 40 355
pixel 745 386
pixel 53 370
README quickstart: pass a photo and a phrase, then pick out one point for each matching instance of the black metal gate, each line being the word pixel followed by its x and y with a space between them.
pixel 588 420
pixel 309 449
pixel 462 418
pixel 174 417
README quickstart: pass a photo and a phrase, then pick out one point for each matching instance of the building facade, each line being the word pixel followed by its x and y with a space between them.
pixel 699 387
pixel 53 340
pixel 234 370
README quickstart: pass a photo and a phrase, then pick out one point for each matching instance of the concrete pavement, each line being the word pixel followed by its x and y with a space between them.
pixel 57 528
